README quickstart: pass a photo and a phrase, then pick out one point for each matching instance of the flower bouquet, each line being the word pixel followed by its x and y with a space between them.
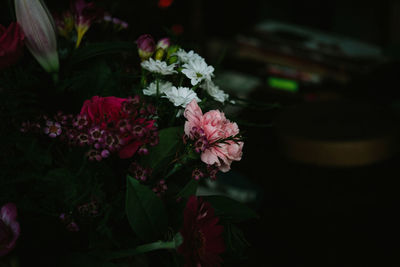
pixel 104 143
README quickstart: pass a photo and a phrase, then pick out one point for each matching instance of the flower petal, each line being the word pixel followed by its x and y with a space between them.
pixel 8 213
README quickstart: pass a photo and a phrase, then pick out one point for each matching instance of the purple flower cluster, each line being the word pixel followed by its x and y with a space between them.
pixel 132 129
pixel 160 188
pixel 210 171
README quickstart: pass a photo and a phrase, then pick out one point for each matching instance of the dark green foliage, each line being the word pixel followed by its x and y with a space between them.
pixel 145 211
pixel 230 210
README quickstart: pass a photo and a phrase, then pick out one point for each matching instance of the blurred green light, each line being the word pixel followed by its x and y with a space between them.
pixel 283 84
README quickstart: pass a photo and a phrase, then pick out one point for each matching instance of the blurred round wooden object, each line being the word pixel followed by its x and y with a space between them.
pixel 339 133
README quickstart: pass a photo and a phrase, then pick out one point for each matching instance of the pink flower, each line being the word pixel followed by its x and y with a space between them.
pixel 146 46
pixel 102 110
pixel 53 129
pixel 214 127
pixel 9 228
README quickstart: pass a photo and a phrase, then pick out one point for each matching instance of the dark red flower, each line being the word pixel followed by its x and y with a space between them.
pixel 102 110
pixel 11 44
pixel 202 237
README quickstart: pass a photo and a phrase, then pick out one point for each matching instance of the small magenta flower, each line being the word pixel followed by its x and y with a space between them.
pixel 124 125
pixel 143 151
pixel 160 188
pixel 94 155
pixel 40 34
pixel 83 139
pixel 85 14
pixel 96 134
pixel 138 172
pixel 105 153
pixel 53 129
pixel 9 228
pixel 197 174
pixel 138 131
pixel 80 121
pixel 146 46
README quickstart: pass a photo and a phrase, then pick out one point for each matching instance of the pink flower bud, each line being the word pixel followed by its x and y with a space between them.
pixel 146 46
pixel 39 29
pixel 163 43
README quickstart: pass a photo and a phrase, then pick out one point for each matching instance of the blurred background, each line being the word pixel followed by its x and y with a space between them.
pixel 317 84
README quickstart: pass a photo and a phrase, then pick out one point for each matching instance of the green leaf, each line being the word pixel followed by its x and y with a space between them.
pixel 145 211
pixel 99 49
pixel 189 189
pixel 162 154
pixel 230 209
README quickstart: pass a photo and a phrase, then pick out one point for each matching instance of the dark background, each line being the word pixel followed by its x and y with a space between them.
pixel 309 215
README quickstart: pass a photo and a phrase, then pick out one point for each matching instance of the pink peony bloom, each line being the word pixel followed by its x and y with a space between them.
pixel 9 228
pixel 213 126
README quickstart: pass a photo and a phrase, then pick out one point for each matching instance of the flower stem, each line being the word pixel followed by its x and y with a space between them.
pixel 54 75
pixel 158 87
pixel 194 88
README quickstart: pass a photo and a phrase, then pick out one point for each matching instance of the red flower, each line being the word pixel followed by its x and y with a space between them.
pixel 202 240
pixel 102 110
pixel 11 44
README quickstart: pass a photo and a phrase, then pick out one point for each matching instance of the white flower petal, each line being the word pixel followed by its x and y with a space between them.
pixel 180 96
pixel 158 66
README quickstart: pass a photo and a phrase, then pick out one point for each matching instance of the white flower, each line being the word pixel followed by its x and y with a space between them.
pixel 197 70
pixel 152 88
pixel 185 57
pixel 158 66
pixel 214 91
pixel 181 96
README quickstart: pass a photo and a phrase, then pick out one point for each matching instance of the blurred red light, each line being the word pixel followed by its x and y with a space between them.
pixel 164 3
pixel 177 29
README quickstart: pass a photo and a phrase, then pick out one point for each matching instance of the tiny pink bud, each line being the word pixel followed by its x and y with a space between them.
pixel 163 43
